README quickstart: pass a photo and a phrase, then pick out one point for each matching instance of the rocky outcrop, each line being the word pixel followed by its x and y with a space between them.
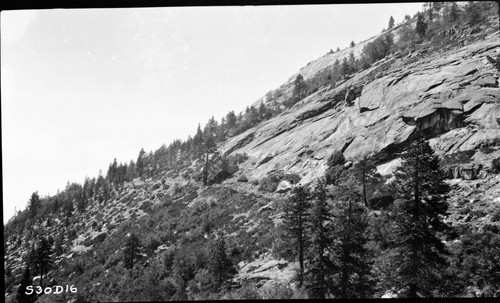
pixel 450 96
pixel 284 186
pixel 468 171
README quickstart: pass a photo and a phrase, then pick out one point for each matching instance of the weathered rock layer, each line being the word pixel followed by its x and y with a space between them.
pixel 450 96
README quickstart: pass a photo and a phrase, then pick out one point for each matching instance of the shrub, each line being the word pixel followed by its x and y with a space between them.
pixel 277 291
pixel 246 292
pixel 293 178
pixel 153 244
pixel 495 165
pixel 270 183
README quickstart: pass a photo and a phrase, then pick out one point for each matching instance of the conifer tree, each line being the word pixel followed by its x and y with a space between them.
pixel 231 120
pixel 352 63
pixel 349 254
pixel 27 280
pixel 452 12
pixel 319 233
pixel 421 26
pixel 391 23
pixel 209 147
pixel 219 265
pixel 472 13
pixel 131 251
pixel 366 173
pixel 335 168
pixel 43 258
pixel 344 67
pixel 295 219
pixel 420 208
pixel 34 204
pixel 139 166
pixel 429 6
pixel 299 89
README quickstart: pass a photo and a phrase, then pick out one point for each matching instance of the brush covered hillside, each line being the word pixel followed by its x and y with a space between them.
pixel 373 172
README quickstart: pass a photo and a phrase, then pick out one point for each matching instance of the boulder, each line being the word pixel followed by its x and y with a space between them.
pixel 284 186
pixel 146 205
pixel 100 238
pixel 242 178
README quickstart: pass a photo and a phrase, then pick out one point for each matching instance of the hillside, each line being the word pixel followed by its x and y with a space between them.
pixel 237 185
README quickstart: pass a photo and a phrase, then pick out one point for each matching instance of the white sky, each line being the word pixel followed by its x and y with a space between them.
pixel 81 87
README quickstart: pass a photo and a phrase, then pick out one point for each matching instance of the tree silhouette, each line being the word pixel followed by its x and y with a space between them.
pixel 391 23
pixel 26 280
pixel 348 250
pixel 139 166
pixel 219 265
pixel 299 89
pixel 420 207
pixel 131 251
pixel 43 258
pixel 335 168
pixel 319 235
pixel 34 204
pixel 421 26
pixel 452 12
pixel 366 173
pixel 472 13
pixel 295 219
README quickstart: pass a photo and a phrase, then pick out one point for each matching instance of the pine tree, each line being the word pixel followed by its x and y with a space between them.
pixel 366 173
pixel 112 171
pixel 472 13
pixel 26 280
pixel 349 254
pixel 299 89
pixel 34 204
pixel 335 168
pixel 352 63
pixel 295 218
pixel 421 26
pixel 209 147
pixel 43 258
pixel 452 12
pixel 140 165
pixel 319 234
pixel 420 208
pixel 430 8
pixel 131 251
pixel 391 23
pixel 352 44
pixel 344 67
pixel 219 265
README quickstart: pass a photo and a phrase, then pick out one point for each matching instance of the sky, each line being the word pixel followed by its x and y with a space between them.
pixel 81 87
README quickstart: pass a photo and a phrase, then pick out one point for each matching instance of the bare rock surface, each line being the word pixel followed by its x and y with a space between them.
pixel 451 95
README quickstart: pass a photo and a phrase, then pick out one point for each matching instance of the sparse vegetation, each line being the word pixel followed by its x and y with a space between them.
pixel 350 234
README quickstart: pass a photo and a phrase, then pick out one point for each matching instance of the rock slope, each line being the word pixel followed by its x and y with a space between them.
pixel 451 95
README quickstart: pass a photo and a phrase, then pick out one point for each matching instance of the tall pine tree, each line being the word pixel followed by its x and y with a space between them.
pixel 296 213
pixel 366 173
pixel 421 26
pixel 43 258
pixel 420 208
pixel 131 251
pixel 219 265
pixel 34 204
pixel 349 253
pixel 26 280
pixel 319 234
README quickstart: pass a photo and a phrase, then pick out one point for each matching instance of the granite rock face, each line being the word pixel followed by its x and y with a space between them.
pixel 450 96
